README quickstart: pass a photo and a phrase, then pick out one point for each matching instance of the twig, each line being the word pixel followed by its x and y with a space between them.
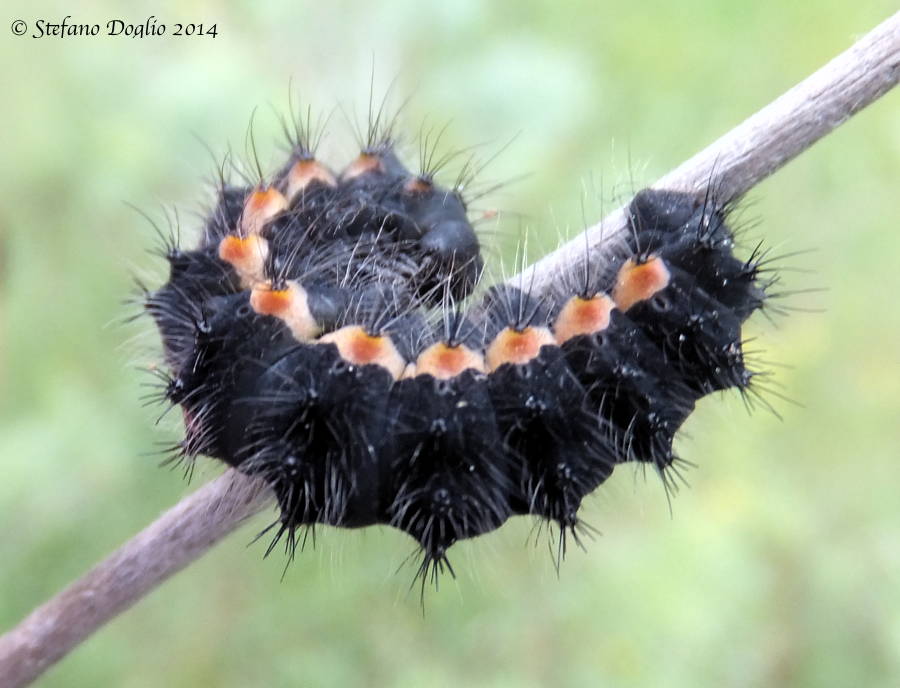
pixel 166 546
pixel 764 142
pixel 740 159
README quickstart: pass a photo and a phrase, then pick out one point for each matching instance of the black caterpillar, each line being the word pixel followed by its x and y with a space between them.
pixel 316 338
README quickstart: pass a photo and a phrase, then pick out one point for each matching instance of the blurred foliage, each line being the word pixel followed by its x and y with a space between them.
pixel 781 564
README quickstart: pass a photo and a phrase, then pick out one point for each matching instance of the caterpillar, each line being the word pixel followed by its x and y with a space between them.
pixel 326 334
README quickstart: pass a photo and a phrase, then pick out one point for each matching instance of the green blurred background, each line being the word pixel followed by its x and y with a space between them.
pixel 781 564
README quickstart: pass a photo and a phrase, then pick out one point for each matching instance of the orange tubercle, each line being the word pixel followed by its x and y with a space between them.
pixel 517 346
pixel 305 172
pixel 444 362
pixel 291 305
pixel 417 185
pixel 247 255
pixel 267 301
pixel 639 281
pixel 365 162
pixel 261 206
pixel 233 249
pixel 582 316
pixel 358 347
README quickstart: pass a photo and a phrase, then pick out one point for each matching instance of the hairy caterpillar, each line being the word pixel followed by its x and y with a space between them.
pixel 320 337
